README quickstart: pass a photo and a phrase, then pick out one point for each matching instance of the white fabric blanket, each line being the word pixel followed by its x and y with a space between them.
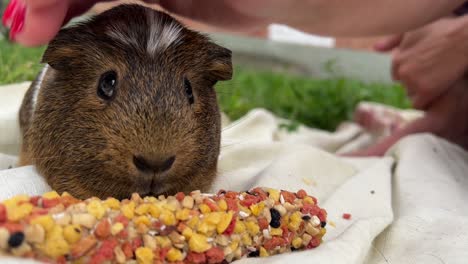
pixel 408 207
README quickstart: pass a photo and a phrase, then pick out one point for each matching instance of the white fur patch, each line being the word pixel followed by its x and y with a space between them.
pixel 161 36
pixel 37 87
pixel 127 38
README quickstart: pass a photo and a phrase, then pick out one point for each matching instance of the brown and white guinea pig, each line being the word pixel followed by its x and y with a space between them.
pixel 126 103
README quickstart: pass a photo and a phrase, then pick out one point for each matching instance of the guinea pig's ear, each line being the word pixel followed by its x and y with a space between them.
pixel 62 50
pixel 220 67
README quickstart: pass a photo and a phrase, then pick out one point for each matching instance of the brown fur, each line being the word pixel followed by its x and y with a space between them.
pixel 85 145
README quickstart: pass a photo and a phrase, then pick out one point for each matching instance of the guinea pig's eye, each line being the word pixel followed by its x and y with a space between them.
pixel 107 84
pixel 188 90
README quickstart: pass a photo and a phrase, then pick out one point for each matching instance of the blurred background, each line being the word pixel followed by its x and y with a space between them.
pixel 307 79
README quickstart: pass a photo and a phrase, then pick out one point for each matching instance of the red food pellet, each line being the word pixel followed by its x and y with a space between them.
pixel 123 234
pixel 163 253
pixel 49 203
pixel 274 242
pixel 69 200
pixel 127 250
pixel 322 215
pixel 12 227
pixel 263 223
pixel 260 193
pixel 231 194
pixel 180 196
pixel 288 196
pixel 107 248
pixel 214 255
pixel 287 235
pixel 122 219
pixel 3 213
pixel 61 260
pixel 314 242
pixel 34 200
pixel 311 209
pixel 249 200
pixel 213 206
pixel 230 229
pixel 136 243
pixel 196 258
pixel 232 204
pixel 102 229
pixel 301 194
pixel 346 216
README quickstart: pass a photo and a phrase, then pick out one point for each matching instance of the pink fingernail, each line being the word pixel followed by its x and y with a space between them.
pixel 13 17
pixel 9 11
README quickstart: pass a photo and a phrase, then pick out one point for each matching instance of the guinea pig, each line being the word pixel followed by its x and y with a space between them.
pixel 126 103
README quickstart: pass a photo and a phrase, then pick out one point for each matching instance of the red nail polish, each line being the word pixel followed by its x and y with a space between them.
pixel 9 11
pixel 18 20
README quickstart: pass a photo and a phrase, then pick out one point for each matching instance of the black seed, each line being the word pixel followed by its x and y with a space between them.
pixel 306 217
pixel 275 218
pixel 372 192
pixel 293 249
pixel 248 192
pixel 16 239
pixel 254 254
pixel 323 224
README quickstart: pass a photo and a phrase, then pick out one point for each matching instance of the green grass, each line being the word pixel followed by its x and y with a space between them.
pixel 316 103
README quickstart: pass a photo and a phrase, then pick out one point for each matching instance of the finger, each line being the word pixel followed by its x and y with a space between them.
pixel 379 149
pixel 42 23
pixel 388 43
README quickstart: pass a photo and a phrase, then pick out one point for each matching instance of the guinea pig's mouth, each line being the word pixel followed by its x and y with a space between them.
pixel 153 185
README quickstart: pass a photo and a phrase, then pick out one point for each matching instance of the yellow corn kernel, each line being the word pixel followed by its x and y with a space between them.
pixel 187 232
pixel 263 252
pixel 224 222
pixel 198 243
pixel 234 245
pixel 245 210
pixel 183 214
pixel 20 212
pixel 222 205
pixel 323 231
pixel 256 209
pixel 297 242
pixel 252 228
pixel 72 233
pixel 116 228
pixel 142 220
pixel 206 228
pixel 193 222
pixel 308 200
pixel 246 239
pixel 213 218
pixel 51 195
pixel 170 206
pixel 112 203
pixel 167 217
pixel 174 255
pixel 204 208
pixel 163 241
pixel 15 200
pixel 144 255
pixel 96 209
pixel 56 247
pixel 128 209
pixel 276 231
pixel 274 194
pixel 240 227
pixel 142 209
pixel 46 221
pixel 154 210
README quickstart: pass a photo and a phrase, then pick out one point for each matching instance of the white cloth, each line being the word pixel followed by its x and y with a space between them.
pixel 408 207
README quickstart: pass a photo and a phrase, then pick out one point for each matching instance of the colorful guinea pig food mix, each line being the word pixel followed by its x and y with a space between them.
pixel 126 104
pixel 194 228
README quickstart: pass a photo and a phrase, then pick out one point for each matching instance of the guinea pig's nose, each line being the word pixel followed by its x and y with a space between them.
pixel 156 165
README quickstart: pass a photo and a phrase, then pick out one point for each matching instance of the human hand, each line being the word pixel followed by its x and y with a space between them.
pixel 429 60
pixel 446 118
